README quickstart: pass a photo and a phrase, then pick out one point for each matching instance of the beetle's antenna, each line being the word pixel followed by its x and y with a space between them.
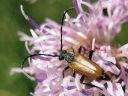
pixel 36 55
pixel 30 20
pixel 62 22
pixel 22 65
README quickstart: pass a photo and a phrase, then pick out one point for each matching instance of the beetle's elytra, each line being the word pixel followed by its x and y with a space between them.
pixel 86 67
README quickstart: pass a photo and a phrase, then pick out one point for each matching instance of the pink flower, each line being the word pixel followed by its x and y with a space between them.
pixel 101 22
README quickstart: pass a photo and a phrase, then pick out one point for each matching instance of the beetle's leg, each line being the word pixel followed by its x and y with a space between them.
pixel 74 74
pixel 82 79
pixel 92 49
pixel 104 77
pixel 66 68
pixel 72 50
pixel 81 49
pixel 90 54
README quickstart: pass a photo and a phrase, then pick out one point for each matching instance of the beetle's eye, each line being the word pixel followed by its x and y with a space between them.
pixel 61 57
pixel 64 51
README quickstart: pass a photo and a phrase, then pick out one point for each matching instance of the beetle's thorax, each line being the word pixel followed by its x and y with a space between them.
pixel 67 56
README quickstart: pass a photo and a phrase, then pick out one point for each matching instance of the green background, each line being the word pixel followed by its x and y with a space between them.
pixel 12 51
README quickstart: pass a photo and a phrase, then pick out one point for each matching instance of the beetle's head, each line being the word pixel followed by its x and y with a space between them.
pixel 67 56
pixel 62 54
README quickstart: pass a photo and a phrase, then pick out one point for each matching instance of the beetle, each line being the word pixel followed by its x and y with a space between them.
pixel 75 60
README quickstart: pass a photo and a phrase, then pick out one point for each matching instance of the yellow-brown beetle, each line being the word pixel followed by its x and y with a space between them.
pixel 77 62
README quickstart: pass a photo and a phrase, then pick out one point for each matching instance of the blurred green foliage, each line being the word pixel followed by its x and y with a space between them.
pixel 12 51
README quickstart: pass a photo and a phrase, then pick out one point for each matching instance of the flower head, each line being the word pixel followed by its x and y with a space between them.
pixel 101 23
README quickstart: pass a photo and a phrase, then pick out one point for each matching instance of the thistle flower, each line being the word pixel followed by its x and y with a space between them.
pixel 98 23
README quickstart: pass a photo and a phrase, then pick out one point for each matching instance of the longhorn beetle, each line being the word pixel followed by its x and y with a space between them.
pixel 74 60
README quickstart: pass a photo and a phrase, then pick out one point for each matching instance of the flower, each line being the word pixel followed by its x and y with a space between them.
pixel 94 28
